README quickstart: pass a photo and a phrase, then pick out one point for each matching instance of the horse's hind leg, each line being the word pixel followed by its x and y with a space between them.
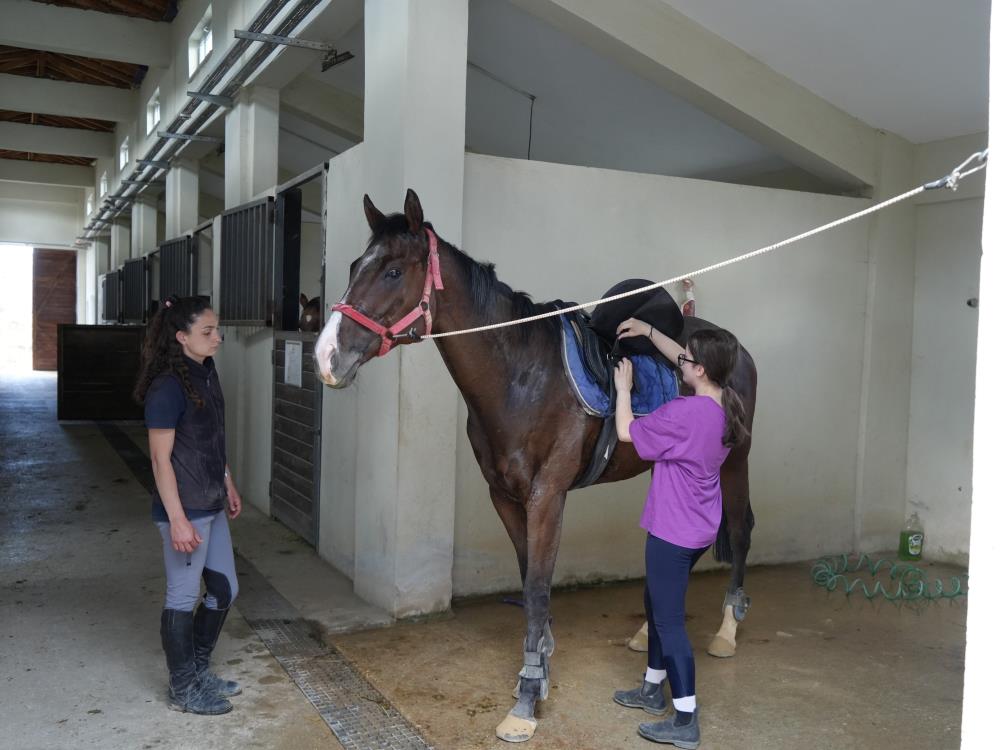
pixel 739 522
pixel 544 523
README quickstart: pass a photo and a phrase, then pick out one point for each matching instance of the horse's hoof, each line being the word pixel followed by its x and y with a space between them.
pixel 515 729
pixel 721 647
pixel 640 641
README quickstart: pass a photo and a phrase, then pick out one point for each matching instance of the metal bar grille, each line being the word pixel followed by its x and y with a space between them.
pixel 135 290
pixel 178 267
pixel 246 288
pixel 112 296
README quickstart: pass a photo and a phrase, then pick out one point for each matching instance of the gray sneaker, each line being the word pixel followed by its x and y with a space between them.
pixel 649 698
pixel 687 736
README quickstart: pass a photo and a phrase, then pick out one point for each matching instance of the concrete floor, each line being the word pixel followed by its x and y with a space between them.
pixel 81 589
pixel 812 670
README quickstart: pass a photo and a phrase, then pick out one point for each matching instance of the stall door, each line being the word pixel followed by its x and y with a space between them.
pixel 295 436
pixel 53 302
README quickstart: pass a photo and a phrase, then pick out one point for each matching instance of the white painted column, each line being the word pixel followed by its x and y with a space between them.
pixel 880 499
pixel 251 145
pixel 415 64
pixel 143 226
pixel 121 242
pixel 981 657
pixel 181 198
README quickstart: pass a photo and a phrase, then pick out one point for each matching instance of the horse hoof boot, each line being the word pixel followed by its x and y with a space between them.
pixel 516 729
pixel 686 736
pixel 649 698
pixel 640 641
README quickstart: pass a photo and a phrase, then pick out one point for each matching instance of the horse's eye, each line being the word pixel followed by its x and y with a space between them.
pixel 393 273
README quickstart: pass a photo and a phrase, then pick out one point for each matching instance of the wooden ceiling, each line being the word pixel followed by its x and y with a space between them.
pixel 37 64
pixel 152 10
pixel 47 158
pixel 57 121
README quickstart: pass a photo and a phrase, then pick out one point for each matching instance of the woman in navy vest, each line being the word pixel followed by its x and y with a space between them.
pixel 194 494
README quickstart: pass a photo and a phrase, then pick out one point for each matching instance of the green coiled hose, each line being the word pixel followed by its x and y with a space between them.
pixel 912 582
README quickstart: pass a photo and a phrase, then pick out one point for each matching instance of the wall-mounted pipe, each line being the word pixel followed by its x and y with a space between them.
pixel 158 156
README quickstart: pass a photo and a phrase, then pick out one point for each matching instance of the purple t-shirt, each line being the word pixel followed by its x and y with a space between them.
pixel 684 439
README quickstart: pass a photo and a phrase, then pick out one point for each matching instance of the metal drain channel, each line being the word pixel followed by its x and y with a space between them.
pixel 359 715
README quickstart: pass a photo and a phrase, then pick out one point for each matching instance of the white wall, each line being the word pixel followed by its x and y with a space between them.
pixel 346 236
pixel 799 311
pixel 948 251
pixel 40 214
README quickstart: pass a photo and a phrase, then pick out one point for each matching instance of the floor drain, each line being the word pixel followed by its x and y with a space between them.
pixel 359 715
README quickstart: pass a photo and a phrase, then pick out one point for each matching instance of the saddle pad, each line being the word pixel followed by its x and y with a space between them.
pixel 654 382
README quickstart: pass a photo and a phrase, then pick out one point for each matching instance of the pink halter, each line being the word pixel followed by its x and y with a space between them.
pixel 391 334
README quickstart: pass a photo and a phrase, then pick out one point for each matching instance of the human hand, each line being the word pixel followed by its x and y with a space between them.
pixel 623 375
pixel 234 501
pixel 634 327
pixel 183 536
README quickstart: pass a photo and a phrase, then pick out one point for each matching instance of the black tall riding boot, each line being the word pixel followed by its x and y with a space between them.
pixel 186 691
pixel 207 626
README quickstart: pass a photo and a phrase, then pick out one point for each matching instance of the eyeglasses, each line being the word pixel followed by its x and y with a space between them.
pixel 682 358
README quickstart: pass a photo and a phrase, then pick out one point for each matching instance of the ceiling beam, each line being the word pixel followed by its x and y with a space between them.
pixel 13 170
pixel 42 139
pixel 327 106
pixel 47 97
pixel 663 45
pixel 106 36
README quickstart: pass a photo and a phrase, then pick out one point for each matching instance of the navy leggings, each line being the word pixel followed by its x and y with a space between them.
pixel 668 568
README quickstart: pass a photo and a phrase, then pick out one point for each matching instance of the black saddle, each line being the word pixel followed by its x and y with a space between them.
pixel 601 350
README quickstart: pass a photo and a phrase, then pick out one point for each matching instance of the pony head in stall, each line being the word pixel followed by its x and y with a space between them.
pixel 312 317
pixel 389 297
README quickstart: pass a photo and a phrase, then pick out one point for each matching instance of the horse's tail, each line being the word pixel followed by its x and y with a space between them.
pixel 723 548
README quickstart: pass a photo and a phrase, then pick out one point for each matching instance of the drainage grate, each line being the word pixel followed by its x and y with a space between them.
pixel 359 715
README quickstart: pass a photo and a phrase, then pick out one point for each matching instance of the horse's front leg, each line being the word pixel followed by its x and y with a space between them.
pixel 544 516
pixel 739 519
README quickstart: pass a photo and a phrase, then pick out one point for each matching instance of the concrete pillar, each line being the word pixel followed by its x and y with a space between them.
pixel 143 226
pixel 251 145
pixel 880 499
pixel 102 253
pixel 981 660
pixel 182 197
pixel 121 242
pixel 405 492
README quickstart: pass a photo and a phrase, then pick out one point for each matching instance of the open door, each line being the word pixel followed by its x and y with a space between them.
pixel 53 302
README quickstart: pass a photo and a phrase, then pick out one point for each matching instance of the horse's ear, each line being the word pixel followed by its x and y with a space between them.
pixel 414 212
pixel 303 300
pixel 374 216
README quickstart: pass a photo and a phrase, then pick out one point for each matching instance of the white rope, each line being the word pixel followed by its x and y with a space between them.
pixel 950 181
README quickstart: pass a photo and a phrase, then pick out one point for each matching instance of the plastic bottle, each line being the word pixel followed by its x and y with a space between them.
pixel 911 539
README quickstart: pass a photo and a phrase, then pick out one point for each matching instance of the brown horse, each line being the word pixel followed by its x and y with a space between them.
pixel 311 318
pixel 528 432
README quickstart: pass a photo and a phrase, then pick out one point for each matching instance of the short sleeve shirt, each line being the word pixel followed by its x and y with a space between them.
pixel 684 440
pixel 165 403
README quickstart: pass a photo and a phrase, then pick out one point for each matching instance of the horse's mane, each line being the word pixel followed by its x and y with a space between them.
pixel 484 287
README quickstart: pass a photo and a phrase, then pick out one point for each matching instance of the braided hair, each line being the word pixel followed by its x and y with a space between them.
pixel 717 350
pixel 162 352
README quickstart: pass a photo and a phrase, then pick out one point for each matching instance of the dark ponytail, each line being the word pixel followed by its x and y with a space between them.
pixel 162 352
pixel 717 350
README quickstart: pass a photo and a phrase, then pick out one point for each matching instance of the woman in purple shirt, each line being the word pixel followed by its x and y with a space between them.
pixel 687 440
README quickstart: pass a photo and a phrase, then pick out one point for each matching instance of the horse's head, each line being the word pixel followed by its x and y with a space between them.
pixel 311 317
pixel 388 297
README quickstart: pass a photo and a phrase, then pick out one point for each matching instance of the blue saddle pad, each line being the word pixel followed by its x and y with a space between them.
pixel 655 382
